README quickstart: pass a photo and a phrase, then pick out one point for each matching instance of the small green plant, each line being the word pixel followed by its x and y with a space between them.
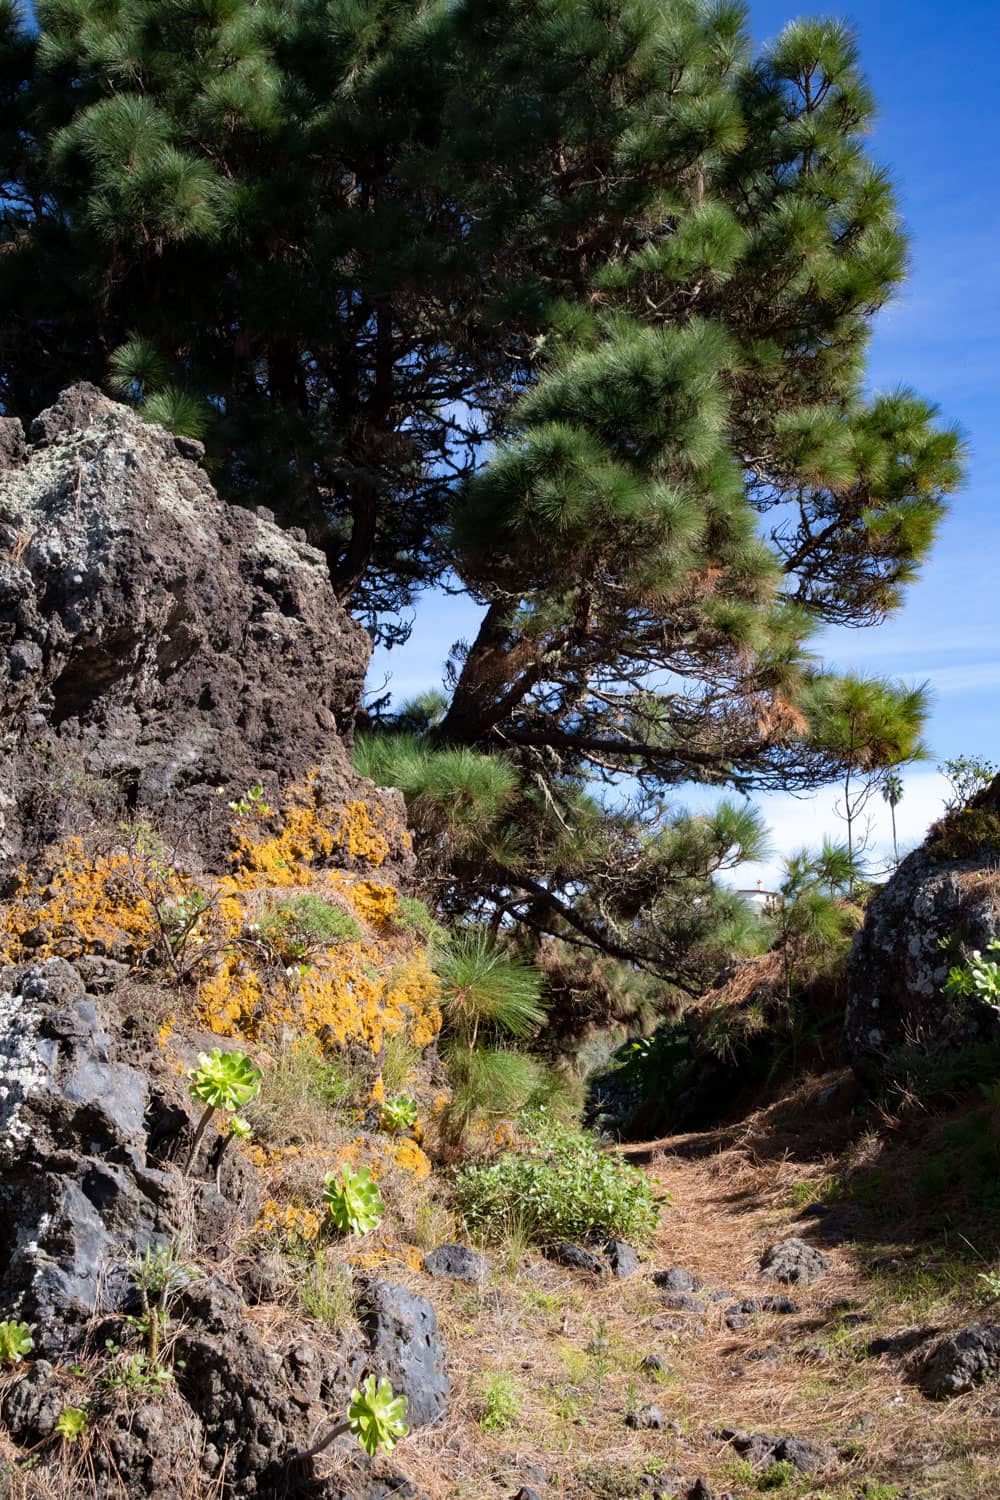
pixel 71 1424
pixel 376 1417
pixel 399 1060
pixel 353 1200
pixel 399 1114
pixel 413 916
pixel 297 926
pixel 135 1372
pixel 222 1080
pixel 560 1184
pixel 968 775
pixel 326 1294
pixel 991 1285
pixel 978 978
pixel 252 804
pixel 499 1403
pixel 15 1342
pixel 777 1474
pixel 158 1275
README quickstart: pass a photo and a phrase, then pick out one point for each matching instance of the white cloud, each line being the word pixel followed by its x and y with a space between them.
pixel 796 823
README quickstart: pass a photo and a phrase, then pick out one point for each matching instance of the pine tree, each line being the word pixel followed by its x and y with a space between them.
pixel 568 297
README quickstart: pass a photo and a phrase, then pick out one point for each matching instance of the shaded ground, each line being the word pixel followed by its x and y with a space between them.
pixel 548 1362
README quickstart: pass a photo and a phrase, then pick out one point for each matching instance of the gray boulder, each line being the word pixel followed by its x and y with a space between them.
pixel 794 1262
pixel 405 1347
pixel 963 1361
pixel 162 647
pixel 456 1263
pixel 897 1022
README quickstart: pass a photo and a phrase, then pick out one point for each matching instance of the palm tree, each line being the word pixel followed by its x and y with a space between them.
pixel 892 791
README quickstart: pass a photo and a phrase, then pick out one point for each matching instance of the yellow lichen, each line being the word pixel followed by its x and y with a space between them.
pixel 408 1155
pixel 129 903
pixel 291 1221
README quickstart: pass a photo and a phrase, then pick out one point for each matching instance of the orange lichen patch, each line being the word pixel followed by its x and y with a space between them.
pixel 374 904
pixel 291 1221
pixel 408 1155
pixel 307 835
pixel 83 902
pixel 402 1255
pixel 129 903
pixel 165 1031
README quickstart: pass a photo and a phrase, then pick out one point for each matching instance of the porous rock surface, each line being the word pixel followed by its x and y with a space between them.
pixel 157 647
pixel 794 1262
pixel 963 1361
pixel 897 1018
pixel 95 1129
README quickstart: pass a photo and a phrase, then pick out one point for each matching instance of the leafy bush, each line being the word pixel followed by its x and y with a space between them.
pixel 499 1403
pixel 353 1200
pixel 979 977
pixel 15 1342
pixel 559 1185
pixel 296 925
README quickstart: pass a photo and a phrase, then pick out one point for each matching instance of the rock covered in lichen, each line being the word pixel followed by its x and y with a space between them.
pixel 898 1022
pixel 158 648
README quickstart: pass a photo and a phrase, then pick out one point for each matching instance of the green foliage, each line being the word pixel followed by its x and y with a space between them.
pixel 224 1080
pixel 377 1416
pixel 412 915
pixel 398 1062
pixel 813 918
pixel 559 1184
pixel 964 833
pixel 485 989
pixel 978 977
pixel 498 1402
pixel 968 775
pixel 352 1200
pixel 296 926
pixel 326 1293
pixel 777 1474
pixel 15 1342
pixel 398 1113
pixel 71 1424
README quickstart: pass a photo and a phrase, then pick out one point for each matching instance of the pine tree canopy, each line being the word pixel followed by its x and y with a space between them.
pixel 568 300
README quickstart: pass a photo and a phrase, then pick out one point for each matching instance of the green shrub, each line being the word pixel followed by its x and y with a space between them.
pixel 499 1403
pixel 296 926
pixel 398 1113
pixel 559 1185
pixel 413 916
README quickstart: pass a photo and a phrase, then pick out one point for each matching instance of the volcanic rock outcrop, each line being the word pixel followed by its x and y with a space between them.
pixel 159 650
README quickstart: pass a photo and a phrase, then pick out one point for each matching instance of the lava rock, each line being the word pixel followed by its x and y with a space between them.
pixel 795 1262
pixel 646 1417
pixel 654 1364
pixel 676 1280
pixel 576 1257
pixel 963 1361
pixel 894 1021
pixel 765 1305
pixel 456 1263
pixel 683 1302
pixel 622 1258
pixel 148 632
pixel 763 1448
pixel 405 1346
pixel 33 1404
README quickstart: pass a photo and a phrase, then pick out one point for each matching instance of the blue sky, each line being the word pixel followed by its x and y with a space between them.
pixel 939 131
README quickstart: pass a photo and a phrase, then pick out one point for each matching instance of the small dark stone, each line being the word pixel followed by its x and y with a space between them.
pixel 737 1322
pixel 457 1263
pixel 963 1361
pixel 576 1257
pixel 683 1302
pixel 765 1305
pixel 646 1417
pixel 676 1280
pixel 526 1493
pixel 803 1454
pixel 701 1490
pixel 654 1364
pixel 622 1258
pixel 31 1408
